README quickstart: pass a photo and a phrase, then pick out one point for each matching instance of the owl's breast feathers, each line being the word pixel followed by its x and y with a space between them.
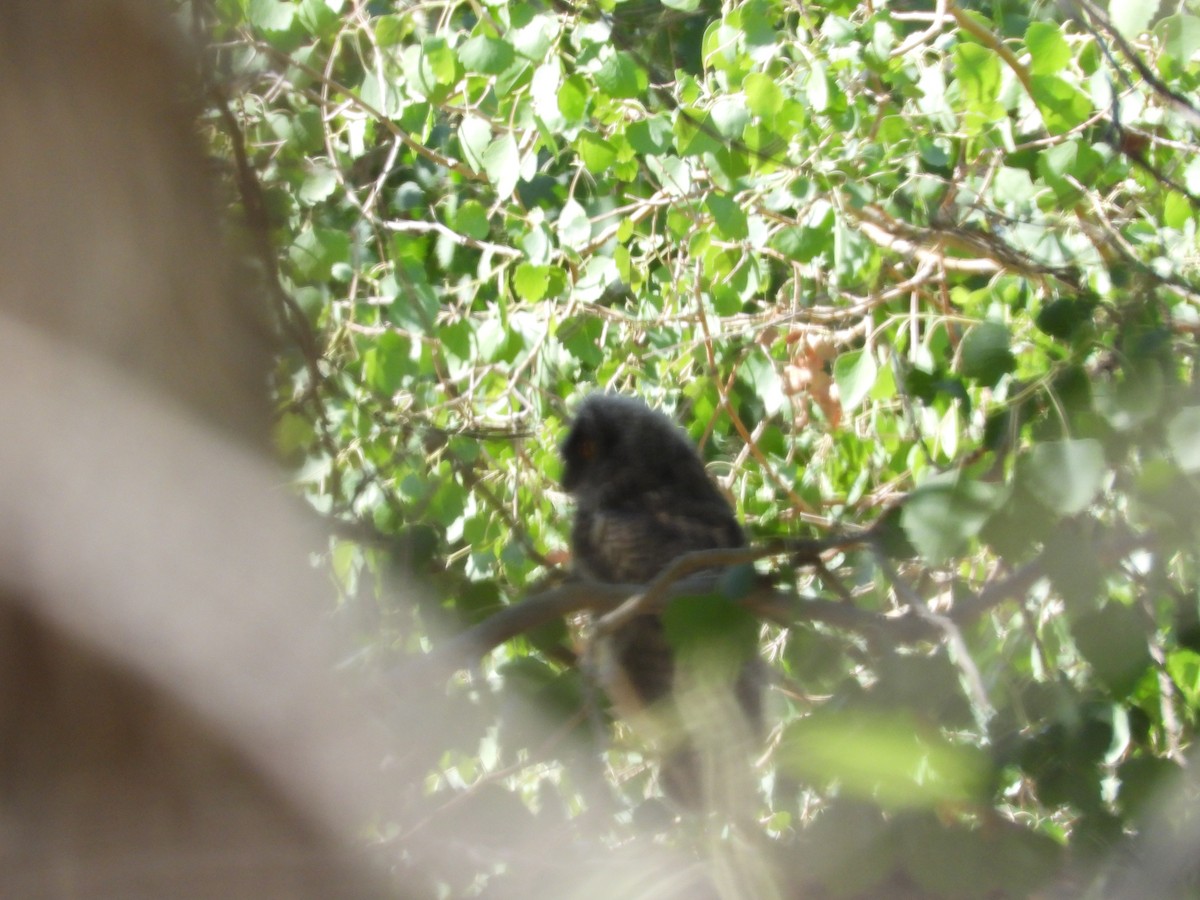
pixel 631 546
pixel 635 664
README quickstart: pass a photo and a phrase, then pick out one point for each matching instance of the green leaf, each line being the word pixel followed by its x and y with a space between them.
pixel 1063 106
pixel 759 374
pixel 317 18
pixel 694 133
pixel 855 374
pixel 442 62
pixel 544 88
pixel 649 136
pixel 319 184
pixel 429 68
pixel 385 96
pixel 474 135
pixel 1177 210
pixel 574 226
pixel 472 220
pixel 486 55
pixel 945 512
pixel 1058 162
pixel 978 72
pixel 985 353
pixel 580 337
pixel 572 98
pixel 455 339
pixel 599 274
pixel 270 15
pixel 1131 17
pixel 806 242
pixel 388 363
pixel 596 153
pixel 315 252
pixel 1019 525
pixel 853 253
pixel 1014 185
pixel 621 77
pixel 1065 476
pixel 817 89
pixel 502 163
pixel 534 40
pixel 1180 36
pixel 763 96
pixel 729 218
pixel 1048 50
pixel 389 30
pixel 730 117
pixel 673 173
pixel 1183 437
pixel 1184 668
pixel 1063 318
pixel 536 245
pixel 1113 641
pixel 531 282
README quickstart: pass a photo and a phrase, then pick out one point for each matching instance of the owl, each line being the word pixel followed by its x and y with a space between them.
pixel 642 498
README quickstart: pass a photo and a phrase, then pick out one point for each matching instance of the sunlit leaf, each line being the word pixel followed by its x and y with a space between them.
pixel 486 55
pixel 531 282
pixel 574 226
pixel 763 96
pixel 501 161
pixel 474 135
pixel 1048 50
pixel 1063 105
pixel 596 153
pixel 855 375
pixel 1180 35
pixel 978 71
pixel 621 76
pixel 1131 17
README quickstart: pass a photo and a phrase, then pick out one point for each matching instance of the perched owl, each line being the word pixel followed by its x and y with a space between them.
pixel 643 498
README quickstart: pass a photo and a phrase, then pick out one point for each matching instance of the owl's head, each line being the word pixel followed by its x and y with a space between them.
pixel 618 448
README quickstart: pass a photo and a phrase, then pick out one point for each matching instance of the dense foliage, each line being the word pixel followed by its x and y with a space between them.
pixel 939 253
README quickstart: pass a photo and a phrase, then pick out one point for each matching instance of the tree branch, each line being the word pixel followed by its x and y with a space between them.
pixel 690 574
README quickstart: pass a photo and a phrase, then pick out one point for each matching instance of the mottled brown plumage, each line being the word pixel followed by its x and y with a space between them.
pixel 642 499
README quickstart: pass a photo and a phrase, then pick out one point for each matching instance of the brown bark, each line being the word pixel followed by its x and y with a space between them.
pixel 168 722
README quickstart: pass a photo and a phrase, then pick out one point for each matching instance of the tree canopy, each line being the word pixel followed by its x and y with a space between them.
pixel 922 281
